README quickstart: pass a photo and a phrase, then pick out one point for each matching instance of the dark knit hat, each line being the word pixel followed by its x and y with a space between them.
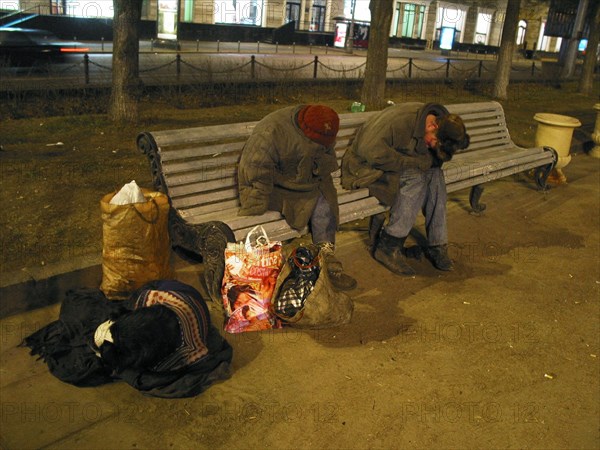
pixel 319 123
pixel 452 132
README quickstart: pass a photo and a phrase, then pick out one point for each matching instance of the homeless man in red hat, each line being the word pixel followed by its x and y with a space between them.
pixel 286 166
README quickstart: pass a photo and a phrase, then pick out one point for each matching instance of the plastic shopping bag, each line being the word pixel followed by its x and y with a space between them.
pixel 251 271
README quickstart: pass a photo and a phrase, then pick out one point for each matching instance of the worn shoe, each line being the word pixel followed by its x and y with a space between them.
pixel 339 280
pixel 390 253
pixel 438 255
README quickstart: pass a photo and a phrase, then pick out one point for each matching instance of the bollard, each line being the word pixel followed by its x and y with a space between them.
pixel 178 66
pixel 218 46
pixel 86 68
pixel 258 47
pixel 533 68
pixel 276 47
pixel 326 48
pixel 410 67
pixel 252 67
pixel 316 65
pixel 310 49
pixel 479 69
pixel 102 40
pixel 448 68
pixel 239 44
pixel 152 44
pixel 197 45
pixel 293 47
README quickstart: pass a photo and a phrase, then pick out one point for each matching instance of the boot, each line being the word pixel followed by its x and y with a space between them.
pixel 438 255
pixel 335 271
pixel 390 253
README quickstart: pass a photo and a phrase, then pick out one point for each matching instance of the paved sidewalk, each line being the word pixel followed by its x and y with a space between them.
pixel 501 353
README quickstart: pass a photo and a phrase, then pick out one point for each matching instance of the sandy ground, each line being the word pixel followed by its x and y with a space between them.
pixel 501 353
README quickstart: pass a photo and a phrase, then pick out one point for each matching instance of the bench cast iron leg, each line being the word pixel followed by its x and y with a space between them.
pixel 215 236
pixel 474 198
pixel 204 242
pixel 541 173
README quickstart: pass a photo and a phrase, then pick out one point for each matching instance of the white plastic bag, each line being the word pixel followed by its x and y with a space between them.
pixel 129 193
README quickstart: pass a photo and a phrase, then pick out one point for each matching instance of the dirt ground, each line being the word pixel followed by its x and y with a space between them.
pixel 501 353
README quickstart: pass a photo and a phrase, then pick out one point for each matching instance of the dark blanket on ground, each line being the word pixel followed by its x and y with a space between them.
pixel 66 346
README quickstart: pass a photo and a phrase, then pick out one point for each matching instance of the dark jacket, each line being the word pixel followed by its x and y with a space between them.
pixel 66 345
pixel 386 144
pixel 282 170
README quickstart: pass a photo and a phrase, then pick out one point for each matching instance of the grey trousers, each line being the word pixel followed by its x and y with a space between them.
pixel 425 191
pixel 322 222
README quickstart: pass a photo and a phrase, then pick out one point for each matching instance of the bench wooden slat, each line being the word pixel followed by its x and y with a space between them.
pixel 471 171
pixel 196 188
pixel 209 197
pixel 201 165
pixel 280 230
pixel 209 173
pixel 212 133
pixel 199 151
pixel 469 109
pixel 481 179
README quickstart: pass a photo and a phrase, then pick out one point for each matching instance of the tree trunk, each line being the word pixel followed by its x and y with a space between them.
pixel 587 73
pixel 373 89
pixel 507 50
pixel 125 67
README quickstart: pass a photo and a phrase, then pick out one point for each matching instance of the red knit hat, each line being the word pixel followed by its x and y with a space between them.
pixel 319 123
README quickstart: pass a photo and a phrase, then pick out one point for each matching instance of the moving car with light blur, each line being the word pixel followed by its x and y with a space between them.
pixel 26 46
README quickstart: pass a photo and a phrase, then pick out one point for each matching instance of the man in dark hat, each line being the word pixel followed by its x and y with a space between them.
pixel 286 166
pixel 398 154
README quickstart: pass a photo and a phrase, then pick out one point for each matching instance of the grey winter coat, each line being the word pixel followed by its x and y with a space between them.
pixel 283 170
pixel 385 145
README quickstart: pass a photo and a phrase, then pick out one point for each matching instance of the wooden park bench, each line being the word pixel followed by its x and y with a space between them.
pixel 196 168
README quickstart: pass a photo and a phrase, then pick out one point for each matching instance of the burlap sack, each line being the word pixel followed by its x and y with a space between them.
pixel 324 307
pixel 135 244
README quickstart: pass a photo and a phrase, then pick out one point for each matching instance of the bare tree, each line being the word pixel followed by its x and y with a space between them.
pixel 507 50
pixel 123 106
pixel 373 89
pixel 587 74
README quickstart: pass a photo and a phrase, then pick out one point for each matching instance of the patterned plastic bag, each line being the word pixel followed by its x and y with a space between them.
pixel 251 271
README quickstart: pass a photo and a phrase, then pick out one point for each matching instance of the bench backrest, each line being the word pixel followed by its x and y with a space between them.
pixel 199 164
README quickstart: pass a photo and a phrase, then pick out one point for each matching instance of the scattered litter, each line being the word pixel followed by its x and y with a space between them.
pixel 347 377
pixel 550 376
pixel 357 107
pixel 56 144
pixel 570 276
pixel 466 303
pixel 593 356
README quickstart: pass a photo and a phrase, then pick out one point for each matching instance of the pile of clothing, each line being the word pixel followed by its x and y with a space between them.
pixel 161 341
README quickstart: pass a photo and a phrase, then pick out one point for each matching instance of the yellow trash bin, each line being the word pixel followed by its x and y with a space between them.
pixel 556 131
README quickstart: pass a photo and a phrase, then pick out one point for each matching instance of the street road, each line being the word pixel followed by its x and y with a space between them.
pixel 198 62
